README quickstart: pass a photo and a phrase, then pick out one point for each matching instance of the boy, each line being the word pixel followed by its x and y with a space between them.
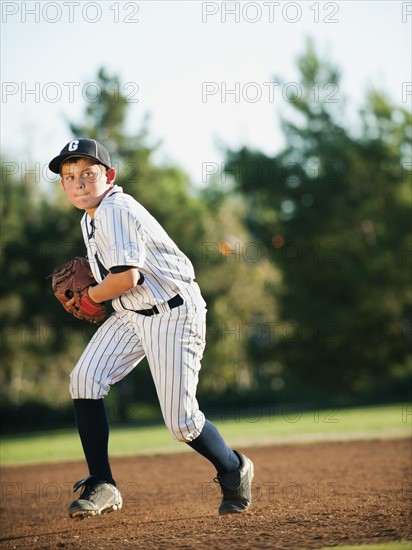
pixel 158 313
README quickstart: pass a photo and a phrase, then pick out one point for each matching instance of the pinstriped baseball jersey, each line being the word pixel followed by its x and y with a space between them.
pixel 124 233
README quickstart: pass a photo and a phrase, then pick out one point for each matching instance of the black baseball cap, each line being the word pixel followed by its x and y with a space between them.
pixel 81 148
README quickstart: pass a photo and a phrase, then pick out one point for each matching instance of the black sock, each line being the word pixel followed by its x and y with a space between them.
pixel 212 446
pixel 93 426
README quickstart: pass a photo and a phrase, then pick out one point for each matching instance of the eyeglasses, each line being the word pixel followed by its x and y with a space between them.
pixel 90 175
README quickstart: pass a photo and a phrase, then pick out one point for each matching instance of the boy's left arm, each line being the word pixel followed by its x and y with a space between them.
pixel 114 284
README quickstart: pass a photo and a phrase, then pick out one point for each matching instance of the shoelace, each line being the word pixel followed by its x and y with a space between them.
pixel 89 487
pixel 88 491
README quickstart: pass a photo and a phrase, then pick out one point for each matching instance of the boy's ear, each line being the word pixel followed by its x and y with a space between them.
pixel 111 175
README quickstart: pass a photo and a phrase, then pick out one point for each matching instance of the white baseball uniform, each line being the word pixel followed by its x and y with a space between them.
pixel 124 233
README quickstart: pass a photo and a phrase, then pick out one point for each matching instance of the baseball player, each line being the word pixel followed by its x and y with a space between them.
pixel 159 313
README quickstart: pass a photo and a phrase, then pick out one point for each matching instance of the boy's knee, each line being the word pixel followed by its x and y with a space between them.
pixel 86 387
pixel 181 436
pixel 185 430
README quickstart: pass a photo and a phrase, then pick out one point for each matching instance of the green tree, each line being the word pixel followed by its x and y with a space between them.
pixel 234 281
pixel 333 210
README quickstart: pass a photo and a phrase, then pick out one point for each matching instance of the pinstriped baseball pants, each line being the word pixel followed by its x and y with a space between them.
pixel 173 342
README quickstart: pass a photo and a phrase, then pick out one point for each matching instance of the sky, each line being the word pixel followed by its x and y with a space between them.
pixel 206 73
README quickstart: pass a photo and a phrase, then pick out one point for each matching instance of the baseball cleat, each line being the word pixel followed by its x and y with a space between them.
pixel 97 497
pixel 236 487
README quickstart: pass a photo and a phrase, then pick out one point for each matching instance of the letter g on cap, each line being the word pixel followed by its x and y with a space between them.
pixel 73 145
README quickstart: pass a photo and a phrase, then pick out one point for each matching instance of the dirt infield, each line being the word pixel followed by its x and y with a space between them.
pixel 305 496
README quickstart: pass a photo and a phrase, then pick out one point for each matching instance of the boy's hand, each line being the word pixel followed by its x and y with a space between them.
pixel 70 284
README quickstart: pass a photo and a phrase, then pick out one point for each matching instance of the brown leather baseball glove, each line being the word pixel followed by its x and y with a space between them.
pixel 72 280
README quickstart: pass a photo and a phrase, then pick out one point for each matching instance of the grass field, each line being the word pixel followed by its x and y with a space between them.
pixel 241 429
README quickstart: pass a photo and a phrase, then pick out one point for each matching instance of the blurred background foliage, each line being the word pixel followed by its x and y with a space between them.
pixel 304 259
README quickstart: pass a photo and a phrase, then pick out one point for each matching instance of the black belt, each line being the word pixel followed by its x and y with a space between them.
pixel 172 303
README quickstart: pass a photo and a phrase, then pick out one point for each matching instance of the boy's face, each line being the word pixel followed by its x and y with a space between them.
pixel 86 182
